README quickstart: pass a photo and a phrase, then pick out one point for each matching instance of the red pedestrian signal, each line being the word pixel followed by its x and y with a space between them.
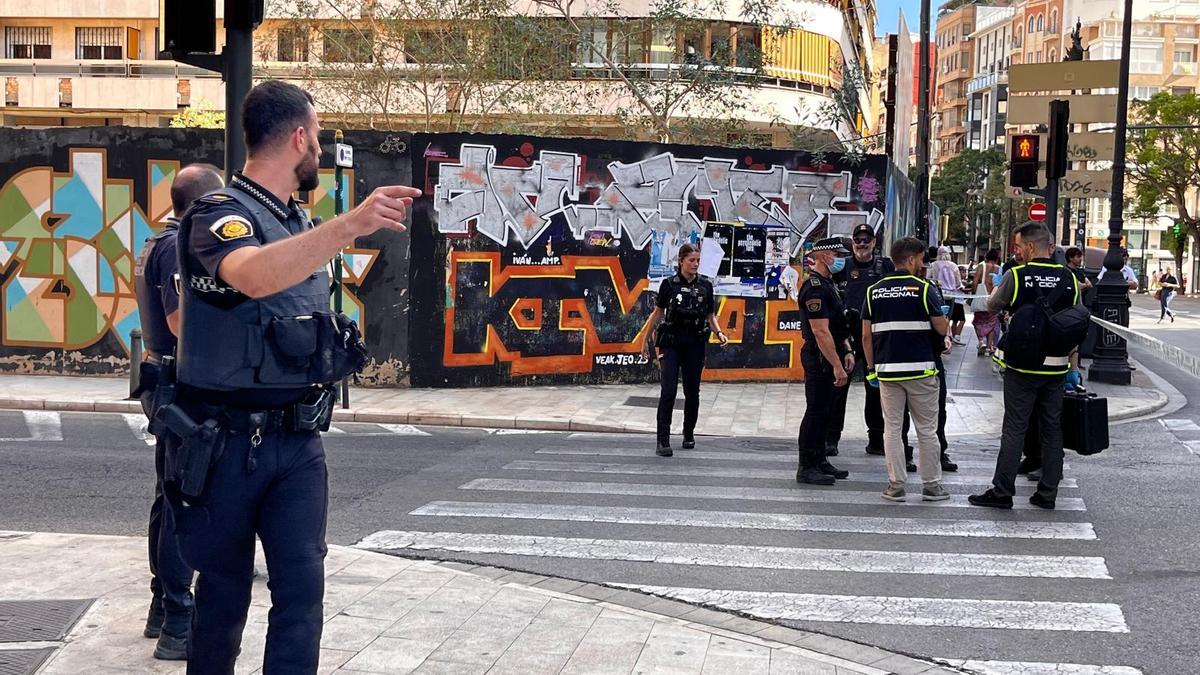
pixel 1025 149
pixel 1023 158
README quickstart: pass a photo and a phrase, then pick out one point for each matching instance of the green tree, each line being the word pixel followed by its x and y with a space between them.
pixel 200 116
pixel 1163 164
pixel 961 190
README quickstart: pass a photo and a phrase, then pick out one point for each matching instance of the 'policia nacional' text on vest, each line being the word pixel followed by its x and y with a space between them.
pixel 1022 348
pixel 899 313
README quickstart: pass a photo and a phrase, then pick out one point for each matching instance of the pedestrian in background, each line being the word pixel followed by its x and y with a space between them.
pixel 903 328
pixel 681 321
pixel 827 357
pixel 948 278
pixel 1126 272
pixel 170 616
pixel 985 323
pixel 1166 293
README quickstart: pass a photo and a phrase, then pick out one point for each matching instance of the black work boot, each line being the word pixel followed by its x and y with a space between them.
pixel 1041 502
pixel 947 465
pixel 689 441
pixel 991 499
pixel 831 449
pixel 908 459
pixel 831 470
pixel 814 476
pixel 154 619
pixel 874 448
pixel 664 449
pixel 171 647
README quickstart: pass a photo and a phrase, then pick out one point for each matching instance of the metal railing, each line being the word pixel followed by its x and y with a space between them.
pixel 124 69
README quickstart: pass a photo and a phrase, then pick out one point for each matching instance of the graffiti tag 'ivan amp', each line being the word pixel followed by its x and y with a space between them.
pixel 579 306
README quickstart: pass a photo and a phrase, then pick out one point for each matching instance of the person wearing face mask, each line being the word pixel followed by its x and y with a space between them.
pixel 827 357
pixel 259 356
pixel 683 317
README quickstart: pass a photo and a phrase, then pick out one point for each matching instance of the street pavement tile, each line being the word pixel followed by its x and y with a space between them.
pixel 352 633
pixel 612 645
pixel 726 655
pixel 388 603
pixel 549 640
pixel 481 639
pixel 391 655
pixel 439 667
pixel 673 649
pixel 784 662
pixel 332 659
pixel 438 616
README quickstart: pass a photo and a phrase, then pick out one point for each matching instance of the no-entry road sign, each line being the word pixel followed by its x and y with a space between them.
pixel 1037 212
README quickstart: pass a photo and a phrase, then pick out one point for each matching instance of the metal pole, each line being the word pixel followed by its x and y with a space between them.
pixel 924 115
pixel 339 207
pixel 1052 205
pixel 1111 362
pixel 238 56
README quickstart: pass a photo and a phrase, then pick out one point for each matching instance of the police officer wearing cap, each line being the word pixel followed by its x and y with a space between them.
pixel 1033 382
pixel 259 352
pixel 862 270
pixel 170 615
pixel 827 358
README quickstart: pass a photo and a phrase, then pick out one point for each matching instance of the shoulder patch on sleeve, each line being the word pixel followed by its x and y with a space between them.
pixel 814 281
pixel 215 198
pixel 229 228
pixel 814 305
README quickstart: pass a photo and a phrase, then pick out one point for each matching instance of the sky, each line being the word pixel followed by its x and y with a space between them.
pixel 888 12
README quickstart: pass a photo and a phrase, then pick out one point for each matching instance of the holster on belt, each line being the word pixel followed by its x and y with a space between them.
pixel 189 461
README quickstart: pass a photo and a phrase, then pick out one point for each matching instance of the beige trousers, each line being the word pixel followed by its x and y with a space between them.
pixel 922 398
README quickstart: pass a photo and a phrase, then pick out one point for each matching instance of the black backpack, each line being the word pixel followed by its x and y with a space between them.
pixel 1036 331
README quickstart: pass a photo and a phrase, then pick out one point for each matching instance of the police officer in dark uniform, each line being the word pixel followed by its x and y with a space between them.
pixel 154 279
pixel 862 270
pixel 259 351
pixel 827 357
pixel 1033 382
pixel 684 315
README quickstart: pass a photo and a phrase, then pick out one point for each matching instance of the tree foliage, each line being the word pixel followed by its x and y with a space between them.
pixel 960 189
pixel 200 116
pixel 1163 164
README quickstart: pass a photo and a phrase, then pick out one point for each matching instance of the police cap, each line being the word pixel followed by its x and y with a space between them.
pixel 834 244
pixel 863 228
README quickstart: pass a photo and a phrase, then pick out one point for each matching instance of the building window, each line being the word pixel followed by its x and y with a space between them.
pixel 1053 56
pixel 351 45
pixel 1142 93
pixel 1032 24
pixel 1182 91
pixel 292 45
pixel 1147 29
pixel 1054 21
pixel 1041 23
pixel 1146 58
pixel 27 42
pixel 95 44
pixel 1186 30
pixel 662 45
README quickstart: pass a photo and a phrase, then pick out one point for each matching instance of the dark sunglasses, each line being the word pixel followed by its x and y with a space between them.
pixel 863 240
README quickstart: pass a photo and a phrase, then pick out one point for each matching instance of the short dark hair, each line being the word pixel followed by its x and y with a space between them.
pixel 272 109
pixel 1035 233
pixel 992 255
pixel 191 183
pixel 903 249
pixel 1073 252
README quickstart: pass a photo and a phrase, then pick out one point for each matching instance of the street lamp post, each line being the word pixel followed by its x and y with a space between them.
pixel 924 75
pixel 1111 356
pixel 1145 281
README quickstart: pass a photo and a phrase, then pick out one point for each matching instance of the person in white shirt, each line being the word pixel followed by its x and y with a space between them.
pixel 1126 271
pixel 948 278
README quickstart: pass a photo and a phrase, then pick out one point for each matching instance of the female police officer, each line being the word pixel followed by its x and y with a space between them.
pixel 686 301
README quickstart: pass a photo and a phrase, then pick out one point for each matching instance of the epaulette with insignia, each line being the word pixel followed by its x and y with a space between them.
pixel 215 198
pixel 814 280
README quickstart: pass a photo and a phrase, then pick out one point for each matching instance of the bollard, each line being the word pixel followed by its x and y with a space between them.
pixel 135 360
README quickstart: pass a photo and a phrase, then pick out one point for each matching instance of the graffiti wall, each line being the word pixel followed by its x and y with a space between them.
pixel 537 260
pixel 76 206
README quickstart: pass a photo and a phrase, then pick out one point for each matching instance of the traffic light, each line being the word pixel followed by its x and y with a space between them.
pixel 1056 150
pixel 1023 156
pixel 187 26
pixel 246 14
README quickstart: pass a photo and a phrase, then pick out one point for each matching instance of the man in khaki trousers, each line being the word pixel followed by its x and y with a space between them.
pixel 903 324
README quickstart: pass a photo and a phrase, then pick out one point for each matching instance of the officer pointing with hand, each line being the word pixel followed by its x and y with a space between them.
pixel 258 353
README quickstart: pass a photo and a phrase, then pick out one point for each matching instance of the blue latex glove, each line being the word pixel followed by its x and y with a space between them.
pixel 873 379
pixel 946 310
pixel 1073 380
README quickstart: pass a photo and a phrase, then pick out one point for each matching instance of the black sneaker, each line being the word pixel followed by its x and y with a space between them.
pixel 831 470
pixel 1041 502
pixel 991 499
pixel 814 476
pixel 831 450
pixel 1026 466
pixel 688 443
pixel 154 619
pixel 1034 476
pixel 947 465
pixel 171 648
pixel 876 450
pixel 664 449
pixel 909 466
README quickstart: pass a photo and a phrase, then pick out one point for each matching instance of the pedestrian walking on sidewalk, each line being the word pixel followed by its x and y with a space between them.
pixel 948 278
pixel 903 329
pixel 827 357
pixel 1168 285
pixel 986 324
pixel 683 317
pixel 170 616
pixel 260 354
pixel 862 270
pixel 1035 363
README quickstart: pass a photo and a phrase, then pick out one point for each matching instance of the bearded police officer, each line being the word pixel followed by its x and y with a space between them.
pixel 862 270
pixel 154 280
pixel 258 352
pixel 1033 373
pixel 827 358
pixel 903 328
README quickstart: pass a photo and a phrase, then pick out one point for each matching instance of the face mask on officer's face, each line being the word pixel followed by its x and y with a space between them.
pixel 837 265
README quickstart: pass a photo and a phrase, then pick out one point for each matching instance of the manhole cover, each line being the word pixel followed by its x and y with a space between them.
pixel 39 620
pixel 23 661
pixel 650 402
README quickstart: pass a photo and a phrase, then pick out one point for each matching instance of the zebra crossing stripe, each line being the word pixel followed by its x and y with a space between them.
pixel 1180 425
pixel 679 469
pixel 760 521
pixel 754 557
pixel 748 456
pixel 138 425
pixel 43 425
pixel 902 611
pixel 405 430
pixel 791 495
pixel 1036 668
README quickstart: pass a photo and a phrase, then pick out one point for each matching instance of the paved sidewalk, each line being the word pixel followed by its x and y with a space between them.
pixel 763 410
pixel 385 614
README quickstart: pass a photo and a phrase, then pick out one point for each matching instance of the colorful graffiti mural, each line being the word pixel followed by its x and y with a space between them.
pixel 549 254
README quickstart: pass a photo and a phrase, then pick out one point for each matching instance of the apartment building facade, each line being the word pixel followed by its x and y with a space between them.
pixel 94 62
pixel 987 91
pixel 955 67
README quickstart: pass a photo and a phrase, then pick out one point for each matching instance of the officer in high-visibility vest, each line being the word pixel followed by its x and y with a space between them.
pixel 1033 384
pixel 902 325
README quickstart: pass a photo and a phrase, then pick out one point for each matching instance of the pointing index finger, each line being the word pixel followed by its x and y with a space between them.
pixel 399 191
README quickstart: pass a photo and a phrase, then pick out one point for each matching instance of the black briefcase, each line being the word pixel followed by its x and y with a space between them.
pixel 1084 422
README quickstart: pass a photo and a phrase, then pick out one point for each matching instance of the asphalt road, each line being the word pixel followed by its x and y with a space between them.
pixel 1109 579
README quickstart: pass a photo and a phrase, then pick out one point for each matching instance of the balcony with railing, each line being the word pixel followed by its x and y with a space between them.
pixel 986 81
pixel 1183 68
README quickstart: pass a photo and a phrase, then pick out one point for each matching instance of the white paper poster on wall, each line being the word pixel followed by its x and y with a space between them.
pixel 752 258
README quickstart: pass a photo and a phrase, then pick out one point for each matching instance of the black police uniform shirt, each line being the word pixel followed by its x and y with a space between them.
pixel 819 299
pixel 219 229
pixel 669 289
pixel 160 268
pixel 856 276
